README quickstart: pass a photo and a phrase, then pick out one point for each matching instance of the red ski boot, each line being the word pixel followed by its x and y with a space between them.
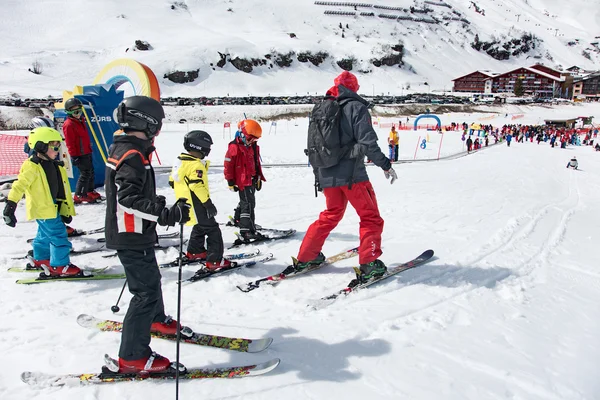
pixel 63 271
pixel 215 265
pixel 169 328
pixel 152 364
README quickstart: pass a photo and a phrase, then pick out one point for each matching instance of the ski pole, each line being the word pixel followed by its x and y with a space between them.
pixel 179 308
pixel 116 308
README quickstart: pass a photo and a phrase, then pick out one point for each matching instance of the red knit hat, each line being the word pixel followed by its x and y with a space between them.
pixel 347 79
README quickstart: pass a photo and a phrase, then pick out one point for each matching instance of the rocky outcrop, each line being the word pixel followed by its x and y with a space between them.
pixel 182 76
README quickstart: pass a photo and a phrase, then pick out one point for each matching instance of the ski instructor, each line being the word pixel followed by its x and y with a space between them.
pixel 348 182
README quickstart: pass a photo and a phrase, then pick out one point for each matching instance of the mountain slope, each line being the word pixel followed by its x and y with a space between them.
pixel 189 35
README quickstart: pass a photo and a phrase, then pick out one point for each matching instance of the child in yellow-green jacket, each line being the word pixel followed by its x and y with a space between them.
pixel 189 179
pixel 43 180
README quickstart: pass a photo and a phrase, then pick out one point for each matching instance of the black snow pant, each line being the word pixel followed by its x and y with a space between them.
pixel 146 306
pixel 206 231
pixel 85 183
pixel 244 212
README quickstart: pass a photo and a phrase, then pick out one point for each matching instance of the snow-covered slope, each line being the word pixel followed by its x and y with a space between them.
pixel 509 310
pixel 72 41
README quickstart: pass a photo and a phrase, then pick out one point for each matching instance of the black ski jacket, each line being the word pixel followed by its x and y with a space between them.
pixel 132 208
pixel 355 127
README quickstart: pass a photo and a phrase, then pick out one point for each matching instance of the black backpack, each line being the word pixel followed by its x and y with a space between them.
pixel 324 149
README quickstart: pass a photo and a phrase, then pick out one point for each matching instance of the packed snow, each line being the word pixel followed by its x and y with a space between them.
pixel 508 309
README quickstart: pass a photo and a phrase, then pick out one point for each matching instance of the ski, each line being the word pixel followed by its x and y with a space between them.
pixel 206 273
pixel 235 256
pixel 72 252
pixel 31 268
pixel 273 236
pixel 392 270
pixel 92 277
pixel 77 232
pixel 231 223
pixel 290 272
pixel 201 339
pixel 42 380
pixel 161 236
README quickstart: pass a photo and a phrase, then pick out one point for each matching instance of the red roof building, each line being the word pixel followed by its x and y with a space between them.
pixel 475 82
pixel 535 82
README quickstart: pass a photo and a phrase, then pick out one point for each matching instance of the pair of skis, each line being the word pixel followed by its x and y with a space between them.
pixel 107 376
pixel 290 272
pixel 238 260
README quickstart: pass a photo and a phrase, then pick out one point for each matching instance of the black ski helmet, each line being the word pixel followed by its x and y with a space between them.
pixel 198 141
pixel 73 104
pixel 141 113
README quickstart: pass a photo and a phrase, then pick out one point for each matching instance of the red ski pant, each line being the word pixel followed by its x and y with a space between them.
pixel 362 198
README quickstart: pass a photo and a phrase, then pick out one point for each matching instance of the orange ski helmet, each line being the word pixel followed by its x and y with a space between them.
pixel 250 127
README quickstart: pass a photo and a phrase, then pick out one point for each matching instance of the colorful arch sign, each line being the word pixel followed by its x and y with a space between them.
pixel 124 71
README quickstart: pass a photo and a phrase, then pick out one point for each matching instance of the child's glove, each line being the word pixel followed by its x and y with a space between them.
pixel 9 214
pixel 211 210
pixel 66 219
pixel 232 186
pixel 258 184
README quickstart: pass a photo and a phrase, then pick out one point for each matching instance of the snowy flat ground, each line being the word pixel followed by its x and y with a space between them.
pixel 508 310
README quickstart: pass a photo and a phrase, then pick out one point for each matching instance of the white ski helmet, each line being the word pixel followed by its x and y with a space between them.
pixel 41 122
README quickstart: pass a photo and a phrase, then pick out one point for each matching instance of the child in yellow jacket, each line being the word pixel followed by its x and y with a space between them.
pixel 43 180
pixel 393 141
pixel 189 179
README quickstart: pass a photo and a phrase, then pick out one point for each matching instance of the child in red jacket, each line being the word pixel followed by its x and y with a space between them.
pixel 80 150
pixel 244 175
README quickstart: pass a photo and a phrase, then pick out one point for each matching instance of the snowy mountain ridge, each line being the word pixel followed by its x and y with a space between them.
pixel 289 47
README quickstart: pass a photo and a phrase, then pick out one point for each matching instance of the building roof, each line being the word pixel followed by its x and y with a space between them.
pixel 586 77
pixel 547 67
pixel 535 71
pixel 484 72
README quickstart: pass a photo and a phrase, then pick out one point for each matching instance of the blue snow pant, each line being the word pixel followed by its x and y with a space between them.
pixel 51 242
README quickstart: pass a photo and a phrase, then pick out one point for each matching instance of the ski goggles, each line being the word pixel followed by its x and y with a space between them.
pixel 76 113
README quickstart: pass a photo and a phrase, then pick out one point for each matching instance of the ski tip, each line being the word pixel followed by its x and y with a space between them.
pixel 427 254
pixel 85 320
pixel 258 345
pixel 265 367
pixel 29 377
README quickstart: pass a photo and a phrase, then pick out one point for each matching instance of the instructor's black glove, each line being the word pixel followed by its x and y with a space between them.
pixel 66 219
pixel 162 200
pixel 179 213
pixel 211 210
pixel 9 213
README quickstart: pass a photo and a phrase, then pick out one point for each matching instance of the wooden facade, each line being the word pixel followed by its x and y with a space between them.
pixel 472 83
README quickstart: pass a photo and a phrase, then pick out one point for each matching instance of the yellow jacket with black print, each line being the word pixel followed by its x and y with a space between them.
pixel 189 179
pixel 32 183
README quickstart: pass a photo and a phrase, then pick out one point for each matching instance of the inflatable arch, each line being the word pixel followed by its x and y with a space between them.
pixel 116 80
pixel 427 116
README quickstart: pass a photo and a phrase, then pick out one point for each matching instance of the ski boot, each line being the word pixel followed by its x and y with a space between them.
pixel 216 265
pixel 64 271
pixel 298 266
pixel 94 195
pixel 193 257
pixel 83 199
pixel 249 237
pixel 155 363
pixel 169 328
pixel 368 272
